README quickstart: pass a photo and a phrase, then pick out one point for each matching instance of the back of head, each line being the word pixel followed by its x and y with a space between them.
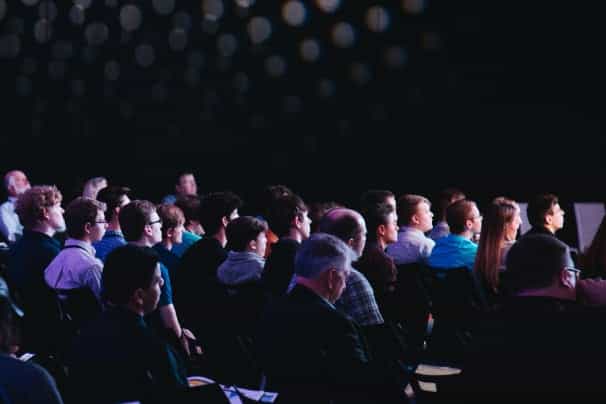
pixel 171 216
pixel 32 204
pixel 80 211
pixel 321 252
pixel 269 195
pixel 214 207
pixel 373 197
pixel 242 231
pixel 134 217
pixel 127 269
pixel 538 207
pixel 93 186
pixel 407 207
pixel 457 215
pixel 317 211
pixel 283 211
pixel 341 222
pixel 446 198
pixel 190 206
pixel 113 197
pixel 534 262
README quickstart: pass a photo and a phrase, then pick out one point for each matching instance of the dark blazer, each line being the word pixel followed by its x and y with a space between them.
pixel 280 267
pixel 311 352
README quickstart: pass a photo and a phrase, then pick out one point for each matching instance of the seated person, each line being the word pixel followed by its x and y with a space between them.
pixel 119 351
pixel 457 250
pixel 310 351
pixel 190 206
pixel 447 197
pixel 115 198
pixel 172 234
pixel 414 217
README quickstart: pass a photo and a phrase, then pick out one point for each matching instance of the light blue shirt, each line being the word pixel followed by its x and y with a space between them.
pixel 453 251
pixel 412 246
pixel 10 226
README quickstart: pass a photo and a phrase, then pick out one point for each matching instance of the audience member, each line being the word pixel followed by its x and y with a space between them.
pixel 447 197
pixel 93 186
pixel 15 183
pixel 190 206
pixel 119 358
pixel 186 185
pixel 415 219
pixel 172 233
pixel 374 197
pixel 309 350
pixel 317 210
pixel 267 199
pixel 115 198
pixel 456 250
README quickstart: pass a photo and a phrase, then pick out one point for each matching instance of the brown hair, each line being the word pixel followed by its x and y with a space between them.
pixel 32 204
pixel 457 215
pixel 171 216
pixel 407 207
pixel 80 211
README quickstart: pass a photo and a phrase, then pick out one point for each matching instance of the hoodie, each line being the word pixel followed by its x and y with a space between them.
pixel 240 267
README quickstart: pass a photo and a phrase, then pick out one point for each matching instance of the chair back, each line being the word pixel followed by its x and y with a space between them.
pixel 589 216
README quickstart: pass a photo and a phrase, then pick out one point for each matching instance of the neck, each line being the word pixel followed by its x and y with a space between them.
pixel 135 308
pixel 382 244
pixel 550 228
pixel 141 243
pixel 44 229
pixel 86 240
pixel 114 225
pixel 313 286
pixel 466 234
pixel 294 234
pixel 168 244
pixel 220 237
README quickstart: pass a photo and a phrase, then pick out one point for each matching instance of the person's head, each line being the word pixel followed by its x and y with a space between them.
pixel 323 263
pixel 269 195
pixel 247 233
pixel 186 185
pixel 377 196
pixel 131 278
pixel 85 219
pixel 140 222
pixel 289 214
pixel 346 224
pixel 544 211
pixel 317 210
pixel 447 197
pixel 114 197
pixel 382 223
pixel 415 211
pixel 40 206
pixel 172 223
pixel 499 225
pixel 217 209
pixel 539 262
pixel 190 206
pixel 93 186
pixel 463 218
pixel 16 183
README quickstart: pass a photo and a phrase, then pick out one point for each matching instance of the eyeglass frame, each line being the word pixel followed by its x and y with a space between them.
pixel 154 222
pixel 575 271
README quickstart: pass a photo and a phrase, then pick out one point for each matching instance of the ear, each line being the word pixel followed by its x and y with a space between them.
pixel 252 245
pixel 381 230
pixel 170 233
pixel 87 227
pixel 415 219
pixel 331 279
pixel 224 221
pixel 548 219
pixel 147 230
pixel 468 224
pixel 297 222
pixel 138 297
pixel 565 279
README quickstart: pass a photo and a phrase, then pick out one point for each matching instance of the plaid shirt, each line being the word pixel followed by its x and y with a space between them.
pixel 358 300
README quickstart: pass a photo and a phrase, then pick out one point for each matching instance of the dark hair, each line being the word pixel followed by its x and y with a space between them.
pixel 112 197
pixel 538 207
pixel 283 211
pixel 375 216
pixel 407 207
pixel 134 217
pixel 80 211
pixel 446 198
pixel 374 197
pixel 317 210
pixel 457 215
pixel 345 226
pixel 214 207
pixel 171 217
pixel 242 230
pixel 534 261
pixel 127 269
pixel 9 335
pixel 269 195
pixel 190 206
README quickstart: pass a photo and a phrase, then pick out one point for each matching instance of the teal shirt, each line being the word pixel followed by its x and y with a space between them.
pixel 188 239
pixel 453 251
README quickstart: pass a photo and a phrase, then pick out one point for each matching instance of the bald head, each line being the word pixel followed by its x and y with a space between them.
pixel 16 183
pixel 346 224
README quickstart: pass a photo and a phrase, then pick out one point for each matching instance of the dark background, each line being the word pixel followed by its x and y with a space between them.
pixel 497 98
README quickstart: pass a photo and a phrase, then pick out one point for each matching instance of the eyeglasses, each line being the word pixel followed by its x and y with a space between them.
pixel 155 221
pixel 100 221
pixel 575 271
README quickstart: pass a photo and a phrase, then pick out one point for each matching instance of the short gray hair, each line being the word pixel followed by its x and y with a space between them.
pixel 321 252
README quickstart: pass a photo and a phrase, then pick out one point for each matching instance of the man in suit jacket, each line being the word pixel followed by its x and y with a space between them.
pixel 310 351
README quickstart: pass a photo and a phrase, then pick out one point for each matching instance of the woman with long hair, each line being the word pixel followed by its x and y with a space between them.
pixel 499 230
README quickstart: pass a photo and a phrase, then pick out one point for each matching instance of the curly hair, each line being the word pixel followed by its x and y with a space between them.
pixel 31 205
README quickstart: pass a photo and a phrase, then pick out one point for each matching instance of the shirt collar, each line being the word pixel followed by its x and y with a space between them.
pixel 12 199
pixel 82 244
pixel 412 230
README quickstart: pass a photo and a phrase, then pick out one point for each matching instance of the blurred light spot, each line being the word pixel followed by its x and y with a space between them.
pixel 310 50
pixel 177 40
pixel 43 31
pixel 29 66
pixel 241 82
pixel 2 9
pixel 112 70
pixel 96 33
pixel 275 66
pixel 77 15
pixel 182 20
pixel 130 17
pixel 83 3
pixel 413 6
pixel 47 9
pixel 195 59
pixel 62 50
pixel 163 7
pixel 245 3
pixel 192 77
pixel 23 86
pixel 57 70
pixel 30 2
pixel 328 6
pixel 395 57
pixel 259 29
pixel 10 46
pixel 145 55
pixel 78 87
pixel 377 19
pixel 360 73
pixel 343 35
pixel 212 9
pixel 326 88
pixel 293 12
pixel 227 44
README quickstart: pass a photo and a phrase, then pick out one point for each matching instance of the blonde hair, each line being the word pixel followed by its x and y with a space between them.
pixel 32 204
